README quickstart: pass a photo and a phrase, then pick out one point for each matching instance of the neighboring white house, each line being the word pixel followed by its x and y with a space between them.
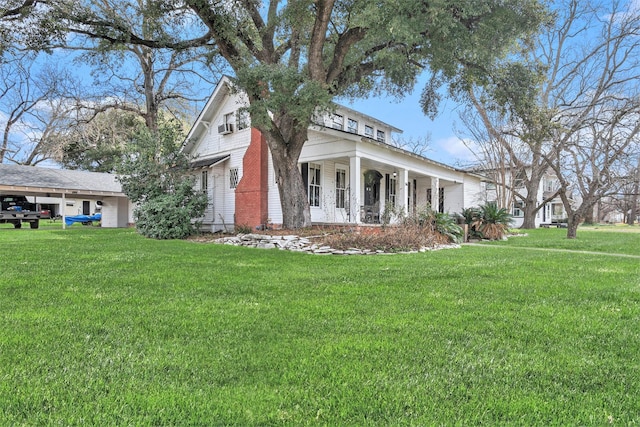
pixel 497 191
pixel 348 165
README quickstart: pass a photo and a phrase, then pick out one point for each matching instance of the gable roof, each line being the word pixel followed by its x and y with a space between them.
pixel 207 114
pixel 32 179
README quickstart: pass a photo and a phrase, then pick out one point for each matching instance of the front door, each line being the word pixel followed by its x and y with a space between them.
pixel 86 207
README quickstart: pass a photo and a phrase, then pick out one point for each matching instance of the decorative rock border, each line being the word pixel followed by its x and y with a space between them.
pixel 302 244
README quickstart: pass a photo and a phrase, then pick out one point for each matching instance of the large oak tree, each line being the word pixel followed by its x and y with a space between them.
pixel 292 58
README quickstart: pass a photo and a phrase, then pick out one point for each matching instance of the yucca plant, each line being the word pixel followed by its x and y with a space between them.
pixel 446 225
pixel 471 216
pixel 492 222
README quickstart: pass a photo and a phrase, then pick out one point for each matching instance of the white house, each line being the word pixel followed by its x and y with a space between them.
pixel 348 165
pixel 496 190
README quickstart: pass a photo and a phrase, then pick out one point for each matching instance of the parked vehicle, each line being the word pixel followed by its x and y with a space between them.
pixel 17 210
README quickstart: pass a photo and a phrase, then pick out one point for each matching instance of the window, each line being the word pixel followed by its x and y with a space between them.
pixel 558 209
pixel 352 126
pixel 233 178
pixel 314 184
pixel 390 192
pixel 311 177
pixel 368 131
pixel 204 181
pixel 441 199
pixel 242 119
pixel 337 121
pixel 227 124
pixel 518 209
pixel 380 136
pixel 341 188
pixel 520 179
pixel 491 185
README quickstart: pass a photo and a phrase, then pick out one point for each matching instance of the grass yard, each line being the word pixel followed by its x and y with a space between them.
pixel 104 327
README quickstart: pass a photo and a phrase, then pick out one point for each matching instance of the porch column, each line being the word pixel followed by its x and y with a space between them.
pixel 63 209
pixel 435 193
pixel 403 191
pixel 355 177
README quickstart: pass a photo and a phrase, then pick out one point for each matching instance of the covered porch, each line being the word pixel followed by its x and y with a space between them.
pixel 361 189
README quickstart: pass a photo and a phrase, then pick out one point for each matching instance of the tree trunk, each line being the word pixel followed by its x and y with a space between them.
pixel 530 210
pixel 589 217
pixel 572 225
pixel 633 212
pixel 293 194
pixel 532 185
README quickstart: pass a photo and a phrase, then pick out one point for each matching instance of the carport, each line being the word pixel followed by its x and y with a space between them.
pixel 49 182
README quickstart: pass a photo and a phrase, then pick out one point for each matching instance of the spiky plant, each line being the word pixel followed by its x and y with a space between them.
pixel 492 222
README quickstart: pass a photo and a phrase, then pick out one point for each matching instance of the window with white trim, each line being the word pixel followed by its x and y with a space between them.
pixel 341 188
pixel 352 125
pixel 380 136
pixel 315 187
pixel 518 209
pixel 242 119
pixel 368 131
pixel 204 181
pixel 337 121
pixel 391 184
pixel 234 177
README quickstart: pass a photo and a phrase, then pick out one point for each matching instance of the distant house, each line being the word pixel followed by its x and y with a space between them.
pixel 69 192
pixel 350 169
pixel 502 188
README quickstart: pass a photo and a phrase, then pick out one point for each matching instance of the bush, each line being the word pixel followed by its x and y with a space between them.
pixel 487 221
pixel 421 229
pixel 169 216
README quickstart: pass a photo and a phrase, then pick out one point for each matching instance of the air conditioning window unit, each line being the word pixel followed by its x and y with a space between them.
pixel 225 128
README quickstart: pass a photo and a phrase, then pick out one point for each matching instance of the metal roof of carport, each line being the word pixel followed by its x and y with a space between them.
pixel 31 180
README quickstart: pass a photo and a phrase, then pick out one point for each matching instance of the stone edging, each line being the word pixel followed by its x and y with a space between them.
pixel 302 244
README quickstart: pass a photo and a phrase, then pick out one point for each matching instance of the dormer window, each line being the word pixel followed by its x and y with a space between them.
pixel 352 126
pixel 380 136
pixel 337 122
pixel 368 131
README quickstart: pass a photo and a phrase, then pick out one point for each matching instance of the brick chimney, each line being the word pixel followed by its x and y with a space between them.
pixel 252 190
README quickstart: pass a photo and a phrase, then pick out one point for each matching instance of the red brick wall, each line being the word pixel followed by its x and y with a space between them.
pixel 252 190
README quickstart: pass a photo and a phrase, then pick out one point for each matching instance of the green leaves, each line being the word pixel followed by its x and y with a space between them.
pixel 154 175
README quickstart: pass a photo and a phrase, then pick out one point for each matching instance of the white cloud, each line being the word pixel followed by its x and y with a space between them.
pixel 455 149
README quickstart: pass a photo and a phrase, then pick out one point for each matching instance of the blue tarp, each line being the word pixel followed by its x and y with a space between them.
pixel 84 219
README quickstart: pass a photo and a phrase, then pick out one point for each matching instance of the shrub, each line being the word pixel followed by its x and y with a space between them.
pixel 169 215
pixel 422 229
pixel 487 221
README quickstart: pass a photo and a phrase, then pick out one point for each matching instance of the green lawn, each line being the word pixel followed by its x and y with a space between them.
pixel 104 327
